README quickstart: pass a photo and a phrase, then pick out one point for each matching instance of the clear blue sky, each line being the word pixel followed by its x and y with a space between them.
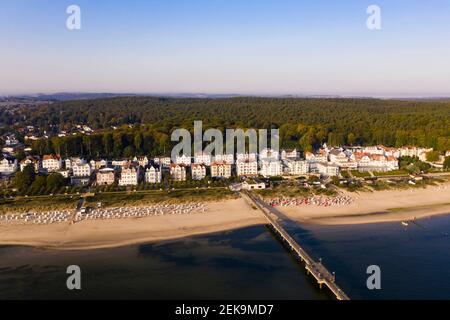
pixel 226 46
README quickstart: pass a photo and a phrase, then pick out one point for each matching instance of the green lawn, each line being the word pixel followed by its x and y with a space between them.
pixel 358 174
pixel 47 203
pixel 38 204
pixel 399 172
pixel 143 198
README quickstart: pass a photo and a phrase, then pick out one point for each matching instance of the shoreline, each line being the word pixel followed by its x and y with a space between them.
pixel 100 234
pixel 377 207
pixel 227 215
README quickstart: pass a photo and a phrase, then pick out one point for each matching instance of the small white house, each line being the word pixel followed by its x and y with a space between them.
pixel 253 185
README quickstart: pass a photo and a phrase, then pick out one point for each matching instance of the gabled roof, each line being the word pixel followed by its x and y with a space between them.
pixel 52 157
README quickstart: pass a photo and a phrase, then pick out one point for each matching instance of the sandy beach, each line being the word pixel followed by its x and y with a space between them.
pixel 380 206
pixel 94 234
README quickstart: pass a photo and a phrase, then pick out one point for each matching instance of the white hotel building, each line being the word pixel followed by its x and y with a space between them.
pixel 221 170
pixel 297 167
pixel 198 171
pixel 271 168
pixel 327 169
pixel 178 172
pixel 129 176
pixel 81 170
pixel 52 162
pixel 153 175
pixel 246 168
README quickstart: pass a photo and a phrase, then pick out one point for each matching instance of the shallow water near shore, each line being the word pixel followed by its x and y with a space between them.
pixel 241 264
pixel 247 263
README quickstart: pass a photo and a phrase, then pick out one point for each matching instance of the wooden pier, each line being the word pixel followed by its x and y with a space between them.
pixel 314 268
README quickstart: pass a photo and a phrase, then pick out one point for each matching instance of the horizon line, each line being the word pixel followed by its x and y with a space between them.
pixel 230 94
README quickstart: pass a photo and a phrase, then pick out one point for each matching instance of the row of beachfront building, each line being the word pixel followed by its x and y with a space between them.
pixel 268 163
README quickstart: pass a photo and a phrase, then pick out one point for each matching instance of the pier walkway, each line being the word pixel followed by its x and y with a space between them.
pixel 316 269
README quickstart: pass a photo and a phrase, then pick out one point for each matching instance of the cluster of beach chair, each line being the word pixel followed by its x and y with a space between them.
pixel 38 218
pixel 51 217
pixel 140 212
pixel 311 201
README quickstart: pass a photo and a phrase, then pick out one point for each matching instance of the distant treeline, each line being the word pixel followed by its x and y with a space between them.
pixel 303 123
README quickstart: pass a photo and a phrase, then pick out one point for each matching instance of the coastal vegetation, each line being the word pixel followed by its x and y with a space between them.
pixel 129 126
pixel 112 199
pixel 297 190
pixel 117 199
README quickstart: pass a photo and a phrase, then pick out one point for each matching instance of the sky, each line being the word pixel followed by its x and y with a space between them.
pixel 255 47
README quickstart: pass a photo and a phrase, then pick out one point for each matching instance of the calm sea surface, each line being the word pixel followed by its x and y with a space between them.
pixel 243 264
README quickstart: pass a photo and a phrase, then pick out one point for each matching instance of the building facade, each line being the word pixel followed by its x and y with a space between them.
pixel 153 175
pixel 327 169
pixel 178 172
pixel 221 170
pixel 271 168
pixel 81 170
pixel 129 176
pixel 246 168
pixel 297 167
pixel 198 171
pixel 105 177
pixel 8 165
pixel 52 162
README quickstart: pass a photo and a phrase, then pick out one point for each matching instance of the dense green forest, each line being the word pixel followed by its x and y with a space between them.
pixel 144 124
